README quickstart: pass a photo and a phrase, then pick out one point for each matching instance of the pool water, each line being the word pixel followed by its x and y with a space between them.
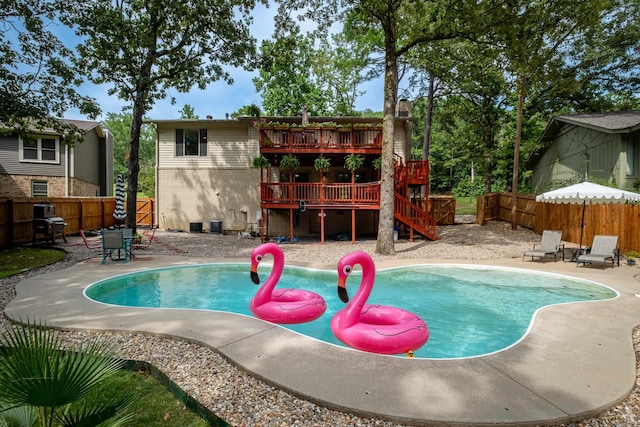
pixel 470 310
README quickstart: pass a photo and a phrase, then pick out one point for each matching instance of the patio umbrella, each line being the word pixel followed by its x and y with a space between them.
pixel 119 213
pixel 588 193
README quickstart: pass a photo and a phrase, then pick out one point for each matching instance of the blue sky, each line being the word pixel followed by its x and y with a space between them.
pixel 219 97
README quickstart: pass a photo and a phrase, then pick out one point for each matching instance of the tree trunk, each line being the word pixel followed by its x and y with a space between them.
pixel 384 243
pixel 516 156
pixel 428 118
pixel 134 162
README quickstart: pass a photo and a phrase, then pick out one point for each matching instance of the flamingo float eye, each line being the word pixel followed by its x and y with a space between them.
pixel 258 258
pixel 347 269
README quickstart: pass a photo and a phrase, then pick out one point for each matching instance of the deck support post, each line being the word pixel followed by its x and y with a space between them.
pixel 353 226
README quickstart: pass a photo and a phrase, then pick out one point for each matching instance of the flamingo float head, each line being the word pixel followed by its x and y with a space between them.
pixel 345 267
pixel 258 254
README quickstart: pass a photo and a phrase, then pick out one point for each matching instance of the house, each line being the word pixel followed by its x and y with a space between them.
pixel 209 176
pixel 601 145
pixel 44 166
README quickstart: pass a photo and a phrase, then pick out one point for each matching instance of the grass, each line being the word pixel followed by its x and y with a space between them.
pixel 14 261
pixel 465 205
pixel 153 403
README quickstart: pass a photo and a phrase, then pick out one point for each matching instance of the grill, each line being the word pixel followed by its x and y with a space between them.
pixel 47 224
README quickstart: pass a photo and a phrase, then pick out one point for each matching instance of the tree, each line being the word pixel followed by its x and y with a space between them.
pixel 120 127
pixel 187 112
pixel 144 48
pixel 39 83
pixel 537 44
pixel 286 82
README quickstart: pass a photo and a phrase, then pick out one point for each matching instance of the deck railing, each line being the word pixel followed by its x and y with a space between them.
pixel 319 193
pixel 301 138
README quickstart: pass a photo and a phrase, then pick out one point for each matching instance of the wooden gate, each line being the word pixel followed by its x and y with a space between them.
pixel 145 212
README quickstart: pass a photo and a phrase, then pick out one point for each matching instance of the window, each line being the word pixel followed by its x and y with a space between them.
pixel 191 142
pixel 39 189
pixel 40 149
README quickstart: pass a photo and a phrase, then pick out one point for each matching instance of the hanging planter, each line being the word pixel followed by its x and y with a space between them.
pixel 260 162
pixel 322 164
pixel 353 162
pixel 289 163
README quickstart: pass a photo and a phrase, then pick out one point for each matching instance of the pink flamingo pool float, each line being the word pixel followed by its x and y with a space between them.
pixel 374 328
pixel 281 305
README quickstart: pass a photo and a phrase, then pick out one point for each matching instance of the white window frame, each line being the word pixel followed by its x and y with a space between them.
pixel 39 148
pixel 37 193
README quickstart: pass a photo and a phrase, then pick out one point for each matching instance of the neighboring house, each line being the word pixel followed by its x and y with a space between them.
pixel 205 179
pixel 601 145
pixel 43 166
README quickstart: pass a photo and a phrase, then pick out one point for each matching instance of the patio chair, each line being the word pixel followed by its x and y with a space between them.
pixel 146 245
pixel 602 249
pixel 114 240
pixel 549 245
pixel 93 244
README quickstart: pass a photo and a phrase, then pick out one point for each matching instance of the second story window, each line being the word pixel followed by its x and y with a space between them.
pixel 191 142
pixel 40 149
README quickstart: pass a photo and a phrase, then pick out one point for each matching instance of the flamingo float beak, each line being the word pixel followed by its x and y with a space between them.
pixel 342 289
pixel 254 274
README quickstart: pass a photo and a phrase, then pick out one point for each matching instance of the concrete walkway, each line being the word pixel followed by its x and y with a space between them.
pixel 577 361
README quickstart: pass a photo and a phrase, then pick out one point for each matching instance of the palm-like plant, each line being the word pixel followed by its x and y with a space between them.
pixel 38 376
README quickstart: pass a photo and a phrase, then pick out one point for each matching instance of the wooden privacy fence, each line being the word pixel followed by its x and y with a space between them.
pixel 16 216
pixel 622 220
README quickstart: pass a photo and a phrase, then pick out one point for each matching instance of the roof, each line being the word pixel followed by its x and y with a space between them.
pixel 614 122
pixel 619 122
pixel 287 119
pixel 85 125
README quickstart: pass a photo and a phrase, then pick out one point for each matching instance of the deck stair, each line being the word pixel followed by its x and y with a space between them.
pixel 409 214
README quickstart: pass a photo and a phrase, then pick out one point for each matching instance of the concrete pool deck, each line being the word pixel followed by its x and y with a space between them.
pixel 577 361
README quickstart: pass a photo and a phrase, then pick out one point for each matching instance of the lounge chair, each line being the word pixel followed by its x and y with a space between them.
pixel 549 245
pixel 603 248
pixel 114 240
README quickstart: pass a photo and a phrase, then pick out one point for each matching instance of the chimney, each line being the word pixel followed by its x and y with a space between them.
pixel 404 108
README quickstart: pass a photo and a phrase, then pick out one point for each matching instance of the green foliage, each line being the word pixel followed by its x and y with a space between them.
pixel 259 162
pixel 187 112
pixel 37 373
pixel 353 161
pixel 321 163
pixel 120 126
pixel 145 48
pixel 289 163
pixel 285 80
pixel 39 83
pixel 252 110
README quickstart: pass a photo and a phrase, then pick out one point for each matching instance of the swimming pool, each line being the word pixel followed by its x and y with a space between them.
pixel 470 310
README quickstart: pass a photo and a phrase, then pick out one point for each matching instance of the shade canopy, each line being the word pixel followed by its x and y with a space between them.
pixel 588 193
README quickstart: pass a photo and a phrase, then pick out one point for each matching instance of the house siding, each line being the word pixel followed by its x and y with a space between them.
pixel 577 153
pixel 11 164
pixel 221 186
pixel 90 170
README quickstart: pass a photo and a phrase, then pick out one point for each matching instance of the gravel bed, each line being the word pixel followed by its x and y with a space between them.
pixel 243 400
